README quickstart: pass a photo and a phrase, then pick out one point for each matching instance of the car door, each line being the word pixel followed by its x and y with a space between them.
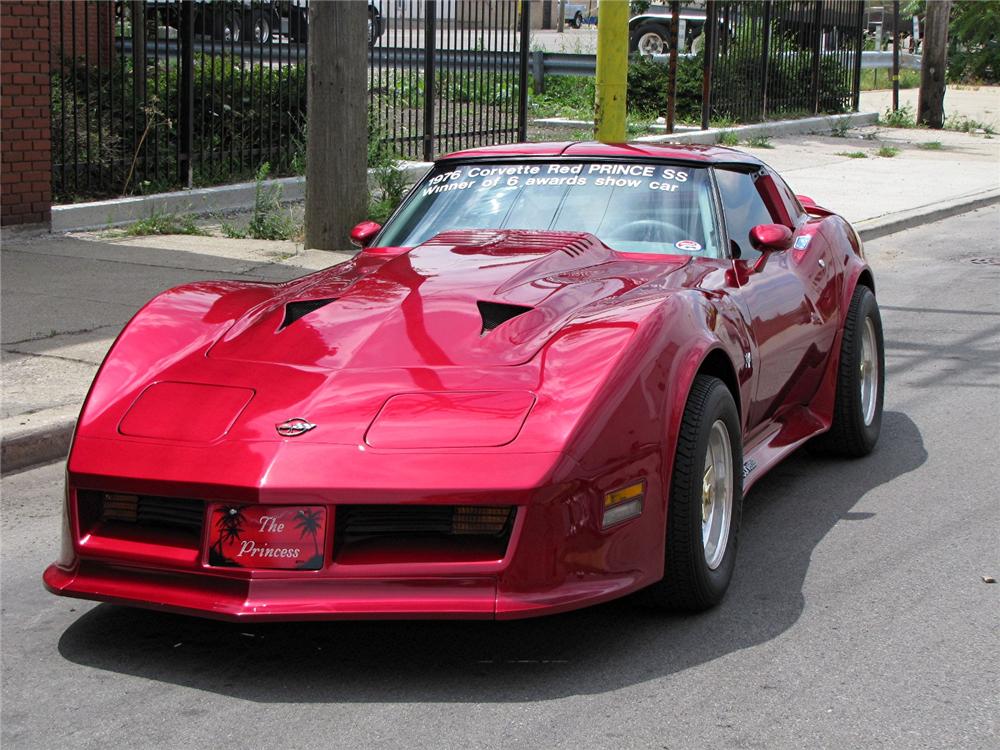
pixel 790 298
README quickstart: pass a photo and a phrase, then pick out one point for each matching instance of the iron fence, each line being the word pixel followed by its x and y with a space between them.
pixel 777 58
pixel 153 95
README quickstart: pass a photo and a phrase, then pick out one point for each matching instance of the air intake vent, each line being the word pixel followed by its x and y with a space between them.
pixel 149 510
pixel 355 521
pixel 496 313
pixel 295 310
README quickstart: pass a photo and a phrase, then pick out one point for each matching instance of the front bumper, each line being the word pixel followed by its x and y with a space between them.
pixel 557 558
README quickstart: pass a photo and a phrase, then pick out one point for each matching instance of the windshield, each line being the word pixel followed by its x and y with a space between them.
pixel 631 207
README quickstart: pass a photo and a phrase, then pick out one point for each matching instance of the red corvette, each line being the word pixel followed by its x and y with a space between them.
pixel 547 382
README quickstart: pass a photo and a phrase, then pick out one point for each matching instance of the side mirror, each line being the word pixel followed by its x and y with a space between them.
pixel 364 233
pixel 771 237
pixel 767 239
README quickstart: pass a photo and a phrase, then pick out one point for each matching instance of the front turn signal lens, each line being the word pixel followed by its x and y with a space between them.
pixel 623 504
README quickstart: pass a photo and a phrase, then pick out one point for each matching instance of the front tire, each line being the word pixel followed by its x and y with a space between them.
pixel 857 410
pixel 577 21
pixel 705 504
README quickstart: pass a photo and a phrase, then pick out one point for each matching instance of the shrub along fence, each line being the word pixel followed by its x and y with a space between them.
pixel 154 95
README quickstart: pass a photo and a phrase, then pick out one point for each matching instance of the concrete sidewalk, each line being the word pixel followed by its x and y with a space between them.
pixel 65 297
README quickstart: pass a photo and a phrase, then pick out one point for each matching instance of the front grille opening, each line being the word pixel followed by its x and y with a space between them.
pixel 166 520
pixel 296 310
pixel 421 533
pixel 497 313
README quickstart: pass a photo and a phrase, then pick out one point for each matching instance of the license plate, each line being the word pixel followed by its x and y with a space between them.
pixel 286 537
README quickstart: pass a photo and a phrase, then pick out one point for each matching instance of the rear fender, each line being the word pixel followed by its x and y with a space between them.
pixel 856 271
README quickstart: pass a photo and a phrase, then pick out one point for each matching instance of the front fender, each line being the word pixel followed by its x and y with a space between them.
pixel 173 325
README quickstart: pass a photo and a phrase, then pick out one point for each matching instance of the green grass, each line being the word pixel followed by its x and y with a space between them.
pixel 158 223
pixel 760 141
pixel 728 138
pixel 839 128
pixel 887 151
pixel 931 146
pixel 853 154
pixel 964 124
pixel 901 118
pixel 882 79
pixel 269 221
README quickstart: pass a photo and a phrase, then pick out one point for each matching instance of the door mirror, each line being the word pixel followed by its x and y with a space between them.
pixel 770 237
pixel 364 233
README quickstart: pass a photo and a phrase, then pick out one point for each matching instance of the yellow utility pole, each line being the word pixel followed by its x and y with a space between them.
pixel 612 71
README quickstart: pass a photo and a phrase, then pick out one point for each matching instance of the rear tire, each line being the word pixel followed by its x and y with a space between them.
pixel 706 501
pixel 857 410
pixel 649 40
pixel 577 21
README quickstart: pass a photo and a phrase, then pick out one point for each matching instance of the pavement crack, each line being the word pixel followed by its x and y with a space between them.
pixel 49 356
pixel 53 334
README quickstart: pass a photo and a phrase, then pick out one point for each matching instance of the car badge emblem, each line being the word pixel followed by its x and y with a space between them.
pixel 294 427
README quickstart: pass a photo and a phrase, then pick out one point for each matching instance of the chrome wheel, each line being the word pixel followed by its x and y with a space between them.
pixel 717 494
pixel 869 371
pixel 651 43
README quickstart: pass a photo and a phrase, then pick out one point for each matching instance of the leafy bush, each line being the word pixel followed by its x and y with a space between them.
pixel 974 41
pixel 134 146
pixel 648 86
pixel 269 221
pixel 901 118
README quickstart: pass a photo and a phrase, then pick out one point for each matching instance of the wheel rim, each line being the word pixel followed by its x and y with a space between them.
pixel 717 495
pixel 650 43
pixel 869 372
pixel 261 31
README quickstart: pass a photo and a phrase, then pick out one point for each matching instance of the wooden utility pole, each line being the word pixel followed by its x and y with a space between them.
pixel 337 138
pixel 930 105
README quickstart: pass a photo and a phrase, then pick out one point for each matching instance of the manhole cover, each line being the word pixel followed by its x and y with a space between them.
pixel 985 261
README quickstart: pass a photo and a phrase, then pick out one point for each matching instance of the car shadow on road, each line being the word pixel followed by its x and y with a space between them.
pixel 590 651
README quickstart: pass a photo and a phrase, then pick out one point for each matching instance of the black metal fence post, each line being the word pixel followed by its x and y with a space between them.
pixel 895 55
pixel 675 42
pixel 706 79
pixel 522 89
pixel 817 36
pixel 185 162
pixel 765 60
pixel 430 32
pixel 856 103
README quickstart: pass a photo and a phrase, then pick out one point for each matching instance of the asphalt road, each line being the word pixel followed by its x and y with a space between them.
pixel 858 617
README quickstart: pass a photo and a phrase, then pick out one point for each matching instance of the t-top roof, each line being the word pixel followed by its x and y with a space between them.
pixel 594 149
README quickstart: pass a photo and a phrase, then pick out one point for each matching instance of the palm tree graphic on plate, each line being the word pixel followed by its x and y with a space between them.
pixel 309 521
pixel 230 526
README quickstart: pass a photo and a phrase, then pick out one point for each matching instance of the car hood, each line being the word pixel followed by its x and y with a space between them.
pixel 468 298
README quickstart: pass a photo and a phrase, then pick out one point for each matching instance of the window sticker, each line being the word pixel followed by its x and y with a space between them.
pixel 688 246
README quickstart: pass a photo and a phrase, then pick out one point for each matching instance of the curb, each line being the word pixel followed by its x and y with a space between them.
pixel 199 201
pixel 34 445
pixel 871 229
pixel 689 134
pixel 40 444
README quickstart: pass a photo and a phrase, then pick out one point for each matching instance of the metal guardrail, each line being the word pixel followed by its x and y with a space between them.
pixel 541 63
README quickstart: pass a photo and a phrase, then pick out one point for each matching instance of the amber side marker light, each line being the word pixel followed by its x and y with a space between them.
pixel 623 504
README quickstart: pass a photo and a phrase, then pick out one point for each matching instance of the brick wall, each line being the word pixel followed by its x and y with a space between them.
pixel 25 138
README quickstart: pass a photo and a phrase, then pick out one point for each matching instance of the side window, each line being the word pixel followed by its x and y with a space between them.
pixel 744 209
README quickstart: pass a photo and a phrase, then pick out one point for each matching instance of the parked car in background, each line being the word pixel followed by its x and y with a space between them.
pixel 245 20
pixel 649 33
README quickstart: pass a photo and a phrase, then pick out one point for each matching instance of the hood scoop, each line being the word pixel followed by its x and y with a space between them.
pixel 497 313
pixel 295 310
